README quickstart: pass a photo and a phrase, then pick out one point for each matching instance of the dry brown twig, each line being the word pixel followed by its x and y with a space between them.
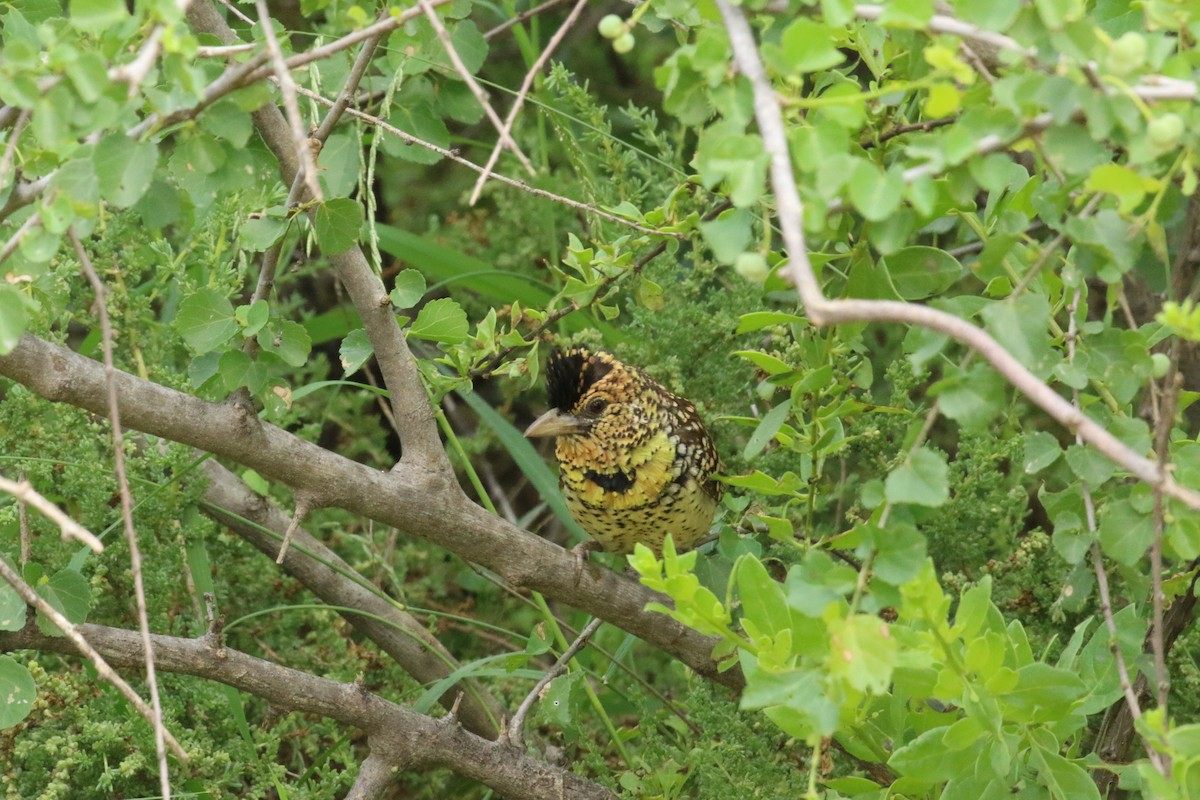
pixel 443 35
pixel 515 733
pixel 26 494
pixel 291 105
pixel 135 554
pixel 522 93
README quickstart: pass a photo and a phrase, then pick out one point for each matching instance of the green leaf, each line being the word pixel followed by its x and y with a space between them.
pixel 205 320
pixel 257 234
pixel 441 320
pixel 124 168
pixel 355 350
pixel 1125 532
pixel 1044 692
pixel 920 272
pixel 288 340
pixel 729 234
pixel 96 16
pixel 1128 186
pixel 1065 779
pixel 971 397
pixel 725 153
pixel 69 593
pixel 252 317
pixel 1020 326
pixel 766 430
pixel 762 598
pixel 757 320
pixel 409 289
pixel 927 759
pixel 875 193
pixel 18 690
pixel 862 651
pixel 924 479
pixel 337 225
pixel 1088 463
pixel 900 552
pixel 805 46
pixel 1041 450
pixel 13 318
pixel 1057 13
pixel 12 606
pixel 420 120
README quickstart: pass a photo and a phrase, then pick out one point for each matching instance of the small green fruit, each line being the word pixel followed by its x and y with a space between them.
pixel 623 43
pixel 1159 364
pixel 611 26
pixel 1165 131
pixel 1127 53
pixel 752 266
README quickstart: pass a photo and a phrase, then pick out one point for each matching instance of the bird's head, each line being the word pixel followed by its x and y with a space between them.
pixel 592 396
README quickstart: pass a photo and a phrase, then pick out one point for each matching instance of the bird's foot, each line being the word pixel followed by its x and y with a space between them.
pixel 580 551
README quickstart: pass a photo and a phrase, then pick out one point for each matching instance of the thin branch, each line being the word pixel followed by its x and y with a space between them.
pixel 515 735
pixel 14 241
pixel 453 155
pixel 1089 506
pixel 32 598
pixel 443 35
pixel 533 72
pixel 941 23
pixel 135 553
pixel 26 494
pixel 519 18
pixel 291 106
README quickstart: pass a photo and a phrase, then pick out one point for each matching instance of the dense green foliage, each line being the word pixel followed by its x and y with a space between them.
pixel 903 567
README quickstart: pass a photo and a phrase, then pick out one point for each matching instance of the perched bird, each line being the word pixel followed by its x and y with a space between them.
pixel 635 462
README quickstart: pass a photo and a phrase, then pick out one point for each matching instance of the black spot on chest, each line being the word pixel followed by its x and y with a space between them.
pixel 618 481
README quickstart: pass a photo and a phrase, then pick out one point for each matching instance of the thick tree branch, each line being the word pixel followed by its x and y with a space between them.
pixel 415 500
pixel 399 737
pixel 262 524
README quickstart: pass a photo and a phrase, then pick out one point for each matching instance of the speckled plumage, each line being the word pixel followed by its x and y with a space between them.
pixel 635 461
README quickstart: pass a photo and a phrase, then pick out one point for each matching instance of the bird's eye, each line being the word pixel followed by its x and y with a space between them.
pixel 596 405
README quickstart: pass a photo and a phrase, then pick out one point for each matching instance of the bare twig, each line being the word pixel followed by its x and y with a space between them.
pixel 1089 506
pixel 10 147
pixel 25 493
pixel 515 735
pixel 303 507
pixel 443 35
pixel 135 554
pixel 106 672
pixel 519 18
pixel 457 159
pixel 533 72
pixel 14 241
pixel 941 23
pixel 291 105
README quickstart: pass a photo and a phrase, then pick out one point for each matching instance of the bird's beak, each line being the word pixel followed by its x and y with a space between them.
pixel 555 423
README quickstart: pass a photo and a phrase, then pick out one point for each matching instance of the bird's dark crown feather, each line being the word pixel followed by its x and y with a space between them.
pixel 571 373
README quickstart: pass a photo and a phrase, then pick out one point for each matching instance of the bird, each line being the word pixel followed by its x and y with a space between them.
pixel 635 460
